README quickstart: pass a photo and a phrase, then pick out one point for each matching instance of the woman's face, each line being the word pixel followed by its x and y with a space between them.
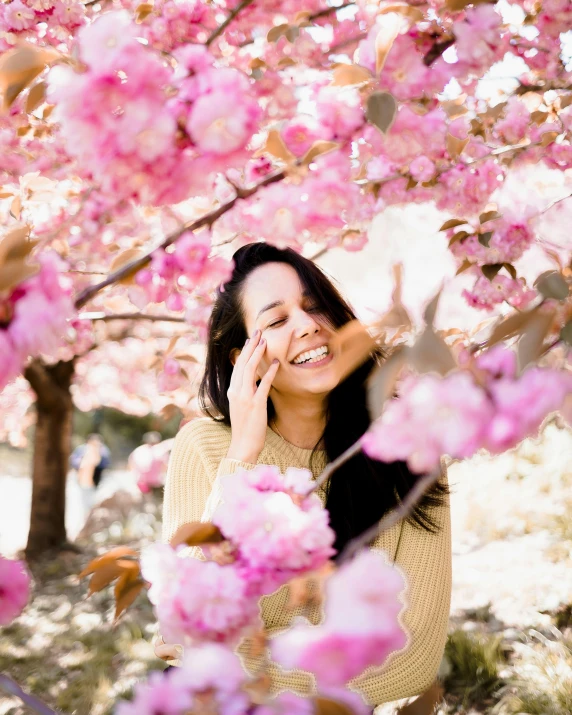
pixel 296 333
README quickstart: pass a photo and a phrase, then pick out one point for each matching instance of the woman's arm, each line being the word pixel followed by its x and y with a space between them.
pixel 425 559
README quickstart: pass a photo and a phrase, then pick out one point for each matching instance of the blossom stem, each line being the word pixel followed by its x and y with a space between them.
pixel 130 316
pixel 130 269
pixel 390 519
pixel 222 27
pixel 10 686
pixel 332 466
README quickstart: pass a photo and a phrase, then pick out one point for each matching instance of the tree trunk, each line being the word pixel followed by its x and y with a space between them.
pixel 52 445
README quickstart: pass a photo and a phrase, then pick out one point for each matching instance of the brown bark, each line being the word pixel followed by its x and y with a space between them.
pixel 52 444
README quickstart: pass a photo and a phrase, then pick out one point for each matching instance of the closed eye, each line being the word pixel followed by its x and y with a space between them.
pixel 277 322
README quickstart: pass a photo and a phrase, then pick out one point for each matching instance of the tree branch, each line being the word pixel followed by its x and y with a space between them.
pixel 332 466
pixel 221 28
pixel 390 519
pixel 131 316
pixel 329 10
pixel 207 220
pixel 11 686
pixel 48 393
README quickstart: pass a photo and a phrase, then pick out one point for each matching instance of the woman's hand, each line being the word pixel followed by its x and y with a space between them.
pixel 248 403
pixel 167 651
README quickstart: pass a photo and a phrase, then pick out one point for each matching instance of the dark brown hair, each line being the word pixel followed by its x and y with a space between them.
pixel 362 490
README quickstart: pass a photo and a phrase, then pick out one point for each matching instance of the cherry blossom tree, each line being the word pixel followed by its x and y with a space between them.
pixel 141 141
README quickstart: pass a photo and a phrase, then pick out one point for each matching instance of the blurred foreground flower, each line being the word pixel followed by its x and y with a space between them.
pixel 14 589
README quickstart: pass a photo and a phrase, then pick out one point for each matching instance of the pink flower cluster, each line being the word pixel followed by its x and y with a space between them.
pixel 479 39
pixel 486 294
pixel 178 271
pixel 277 530
pixel 124 128
pixel 210 679
pixel 453 415
pixel 350 639
pixel 59 19
pixel 467 189
pixel 14 589
pixel 197 601
pixel 149 463
pixel 34 317
pixel 509 241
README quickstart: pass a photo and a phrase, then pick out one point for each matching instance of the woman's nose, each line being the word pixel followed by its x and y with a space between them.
pixel 306 326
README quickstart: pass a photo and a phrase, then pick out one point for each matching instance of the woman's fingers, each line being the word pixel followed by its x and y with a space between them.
pixel 166 651
pixel 249 370
pixel 266 382
pixel 250 346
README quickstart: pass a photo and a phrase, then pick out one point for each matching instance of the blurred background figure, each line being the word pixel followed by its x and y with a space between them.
pixel 148 462
pixel 89 460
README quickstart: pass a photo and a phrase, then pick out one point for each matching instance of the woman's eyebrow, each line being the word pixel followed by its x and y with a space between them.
pixel 274 304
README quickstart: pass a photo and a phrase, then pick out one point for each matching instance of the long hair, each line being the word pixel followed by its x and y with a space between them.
pixel 362 490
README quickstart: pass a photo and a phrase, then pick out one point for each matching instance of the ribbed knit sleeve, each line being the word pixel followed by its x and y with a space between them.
pixel 425 560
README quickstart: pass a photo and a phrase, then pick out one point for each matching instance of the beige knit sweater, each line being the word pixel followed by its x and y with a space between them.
pixel 198 457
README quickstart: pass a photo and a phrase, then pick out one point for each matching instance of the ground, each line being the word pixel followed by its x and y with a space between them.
pixel 509 647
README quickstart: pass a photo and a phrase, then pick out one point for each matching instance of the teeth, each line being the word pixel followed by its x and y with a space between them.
pixel 312 355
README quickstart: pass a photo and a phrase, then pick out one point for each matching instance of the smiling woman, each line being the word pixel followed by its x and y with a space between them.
pixel 273 395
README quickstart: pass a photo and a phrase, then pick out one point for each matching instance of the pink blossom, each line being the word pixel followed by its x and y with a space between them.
pixel 14 589
pixel 17 16
pixel 485 294
pixel 200 601
pixel 278 533
pixel 299 134
pixel 513 127
pixel 478 38
pixel 223 122
pixel 102 41
pixel 431 417
pixel 149 464
pixel 468 189
pixel 287 704
pixel 339 112
pixel 70 13
pixel 349 640
pixel 422 168
pixel 158 694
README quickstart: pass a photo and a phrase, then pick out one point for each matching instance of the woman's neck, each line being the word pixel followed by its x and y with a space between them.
pixel 300 422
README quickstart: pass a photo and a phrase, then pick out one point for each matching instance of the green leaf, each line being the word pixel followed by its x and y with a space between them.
pixel 459 236
pixel 485 238
pixel 566 333
pixel 381 110
pixel 491 269
pixel 552 284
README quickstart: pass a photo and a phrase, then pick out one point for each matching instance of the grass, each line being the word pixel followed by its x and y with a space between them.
pixel 542 680
pixel 474 663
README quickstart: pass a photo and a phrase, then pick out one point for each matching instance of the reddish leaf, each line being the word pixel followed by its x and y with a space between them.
pixel 124 258
pixel 485 238
pixel 452 223
pixel 275 146
pixel 455 146
pixel 489 216
pixel 431 354
pixel 531 344
pixel 126 591
pixel 104 576
pixel 345 74
pixel 317 148
pixel 491 269
pixel 424 704
pixel 459 236
pixel 118 552
pixel 566 333
pixel 353 345
pixel 276 32
pixel 390 25
pixel 325 706
pixel 381 382
pixel 36 96
pixel 431 309
pixel 509 327
pixel 466 264
pixel 197 533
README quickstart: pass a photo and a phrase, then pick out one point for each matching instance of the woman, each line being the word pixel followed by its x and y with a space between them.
pixel 272 394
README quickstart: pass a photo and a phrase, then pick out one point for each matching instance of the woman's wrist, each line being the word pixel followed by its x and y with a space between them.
pixel 241 454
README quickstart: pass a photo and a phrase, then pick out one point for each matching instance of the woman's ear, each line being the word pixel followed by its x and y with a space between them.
pixel 234 353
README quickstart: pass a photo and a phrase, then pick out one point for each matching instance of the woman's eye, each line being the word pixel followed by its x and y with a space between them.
pixel 277 322
pixel 314 309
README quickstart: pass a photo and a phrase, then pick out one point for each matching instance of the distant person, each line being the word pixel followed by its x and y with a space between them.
pixel 148 462
pixel 89 460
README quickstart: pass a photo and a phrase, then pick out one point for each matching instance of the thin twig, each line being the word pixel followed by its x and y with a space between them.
pixel 207 220
pixel 332 466
pixel 130 316
pixel 330 10
pixel 553 203
pixel 390 519
pixel 11 686
pixel 221 28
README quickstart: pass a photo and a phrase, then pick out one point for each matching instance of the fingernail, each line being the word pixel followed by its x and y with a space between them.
pixel 247 341
pixel 263 342
pixel 275 361
pixel 256 333
pixel 179 650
